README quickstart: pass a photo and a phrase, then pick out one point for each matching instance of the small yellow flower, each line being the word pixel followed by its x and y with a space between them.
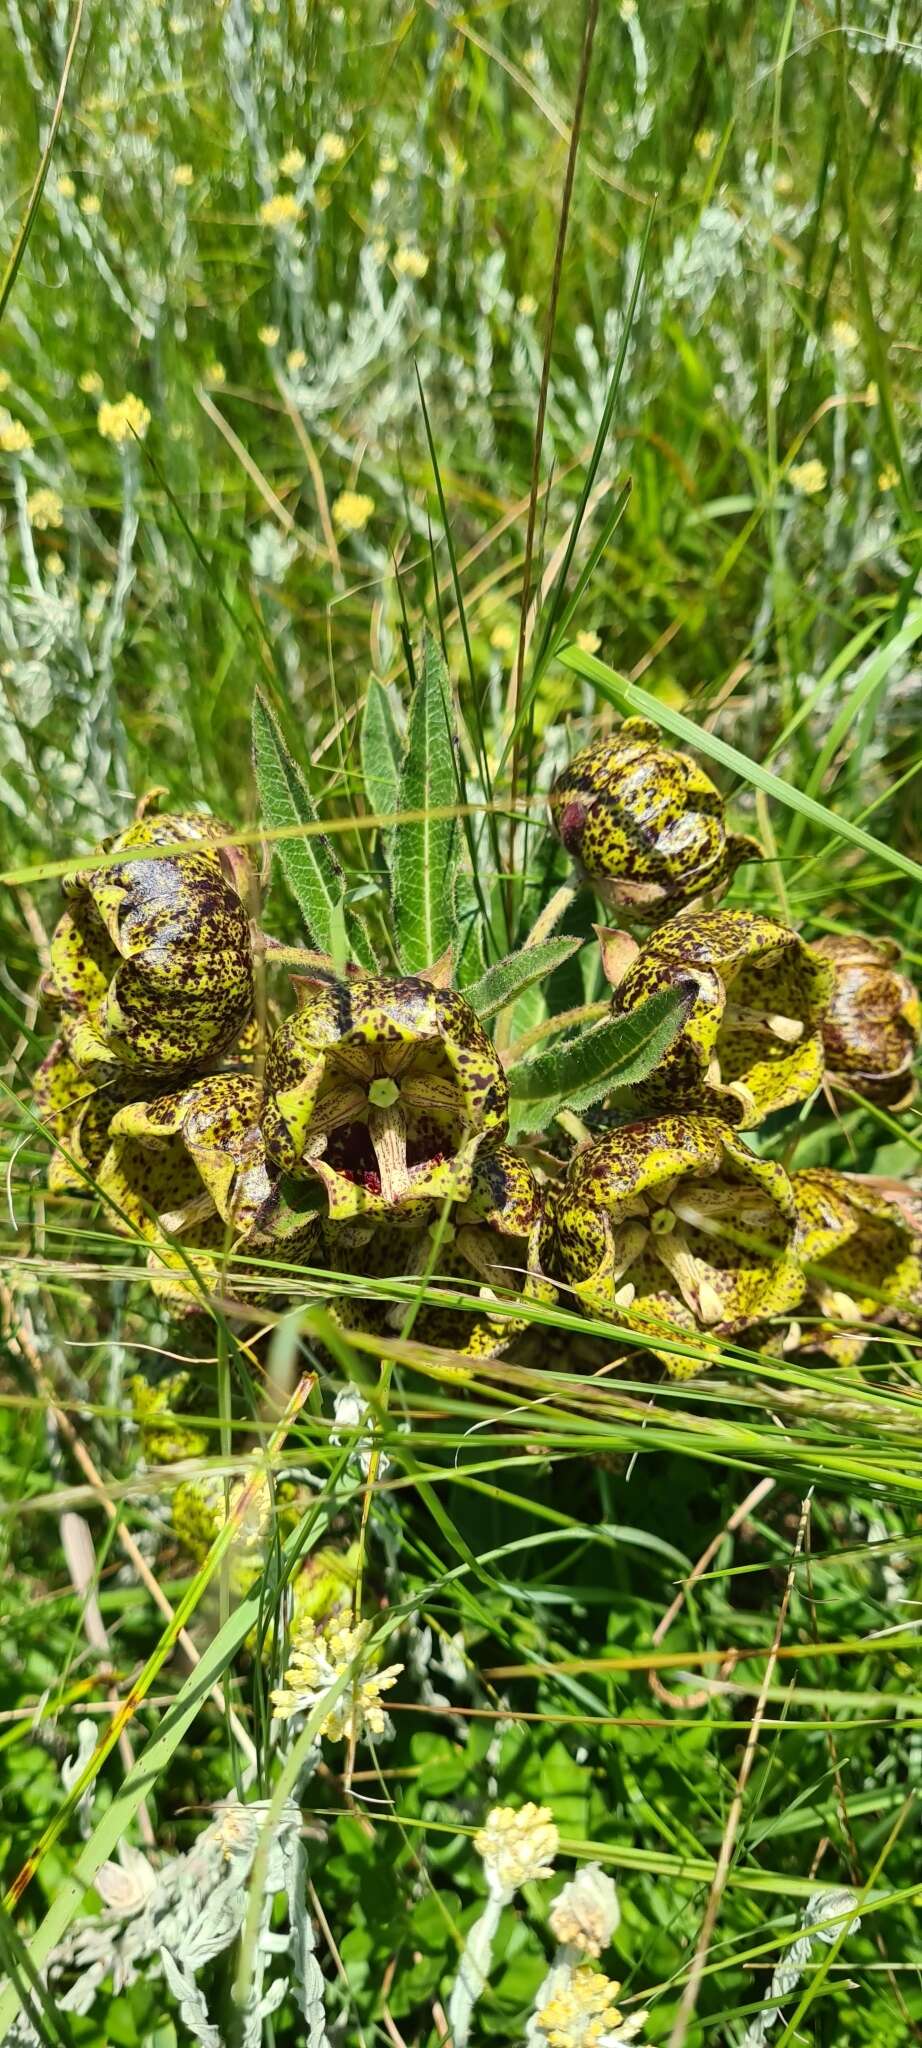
pixel 704 143
pixel 784 184
pixel 215 374
pixel 14 437
pixel 352 511
pixel 518 1845
pixel 583 2012
pixel 528 306
pixel 89 204
pixel 295 360
pixel 125 419
pixel 90 381
pixel 292 163
pixel 45 509
pixel 808 477
pixel 503 639
pixel 872 394
pixel 627 11
pixel 332 148
pixel 388 164
pixel 844 335
pixel 269 337
pixel 319 1656
pixel 183 174
pixel 590 642
pixel 66 186
pixel 54 563
pixel 281 211
pixel 410 261
pixel 888 478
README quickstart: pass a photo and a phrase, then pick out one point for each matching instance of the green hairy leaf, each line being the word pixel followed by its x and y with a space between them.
pixel 616 1053
pixel 425 851
pixel 381 750
pixel 309 865
pixel 502 983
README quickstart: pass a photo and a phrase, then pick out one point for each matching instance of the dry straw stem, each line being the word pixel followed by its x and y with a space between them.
pixel 21 1337
pixel 689 1998
pixel 704 1693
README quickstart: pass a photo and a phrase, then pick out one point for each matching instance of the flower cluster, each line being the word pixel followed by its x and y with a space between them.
pixel 370 1137
pixel 321 1657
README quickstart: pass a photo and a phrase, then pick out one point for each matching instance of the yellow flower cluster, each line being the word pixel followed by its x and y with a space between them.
pixel 45 509
pixel 517 1844
pixel 332 148
pixel 123 419
pixel 410 261
pixel 585 1913
pixel 808 477
pixel 281 211
pixel 584 2015
pixel 292 163
pixel 352 511
pixel 321 1655
pixel 14 437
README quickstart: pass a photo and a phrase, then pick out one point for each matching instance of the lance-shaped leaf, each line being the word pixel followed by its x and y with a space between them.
pixel 580 1070
pixel 425 848
pixel 508 978
pixel 309 865
pixel 381 749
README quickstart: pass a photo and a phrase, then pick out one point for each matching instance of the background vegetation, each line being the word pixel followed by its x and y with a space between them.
pixel 279 521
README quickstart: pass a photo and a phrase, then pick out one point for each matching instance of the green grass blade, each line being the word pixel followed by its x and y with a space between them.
pixel 629 698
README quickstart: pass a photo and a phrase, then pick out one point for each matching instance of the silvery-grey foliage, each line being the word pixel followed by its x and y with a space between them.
pixel 172 1921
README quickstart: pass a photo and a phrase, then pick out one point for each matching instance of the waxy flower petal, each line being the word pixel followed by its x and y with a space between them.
pixel 383 1091
pixel 863 1264
pixel 152 963
pixel 645 824
pixel 672 1226
pixel 752 1043
pixel 872 1023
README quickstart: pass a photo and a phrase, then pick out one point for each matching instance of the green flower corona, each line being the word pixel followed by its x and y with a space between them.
pixel 383 1091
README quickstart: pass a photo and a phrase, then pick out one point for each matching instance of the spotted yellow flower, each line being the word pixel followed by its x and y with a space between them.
pixel 410 261
pixel 269 337
pixel 14 437
pixel 352 511
pixel 183 174
pixel 809 478
pixel 518 1844
pixel 319 1656
pixel 124 419
pixel 282 211
pixel 90 381
pixel 292 163
pixel 332 148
